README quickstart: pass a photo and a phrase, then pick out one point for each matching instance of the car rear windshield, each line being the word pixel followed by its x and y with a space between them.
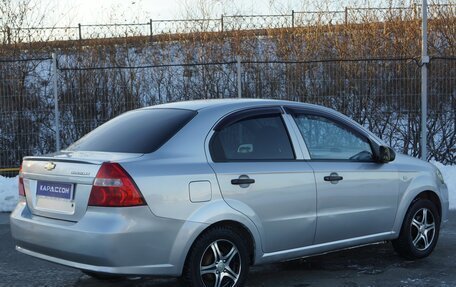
pixel 139 131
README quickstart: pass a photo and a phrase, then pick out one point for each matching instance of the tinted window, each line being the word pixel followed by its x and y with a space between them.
pixel 140 131
pixel 256 138
pixel 326 139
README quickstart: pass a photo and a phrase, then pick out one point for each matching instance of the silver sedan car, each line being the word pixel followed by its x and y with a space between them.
pixel 204 189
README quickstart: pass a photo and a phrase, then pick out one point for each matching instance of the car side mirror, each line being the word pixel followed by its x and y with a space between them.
pixel 386 154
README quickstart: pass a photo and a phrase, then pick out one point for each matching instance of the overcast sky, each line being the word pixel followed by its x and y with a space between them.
pixel 72 12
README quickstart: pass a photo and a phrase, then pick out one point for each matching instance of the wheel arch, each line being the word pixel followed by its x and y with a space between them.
pixel 214 215
pixel 433 197
pixel 238 228
pixel 409 199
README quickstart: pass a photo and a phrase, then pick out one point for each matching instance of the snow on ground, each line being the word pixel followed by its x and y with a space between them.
pixel 9 193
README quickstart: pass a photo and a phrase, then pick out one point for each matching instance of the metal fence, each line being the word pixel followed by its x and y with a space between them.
pixel 381 94
pixel 25 113
pixel 153 27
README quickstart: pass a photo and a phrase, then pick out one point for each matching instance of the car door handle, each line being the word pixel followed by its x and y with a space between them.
pixel 240 181
pixel 333 177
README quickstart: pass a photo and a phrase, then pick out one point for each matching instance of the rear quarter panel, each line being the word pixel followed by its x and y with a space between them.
pixel 163 178
pixel 165 187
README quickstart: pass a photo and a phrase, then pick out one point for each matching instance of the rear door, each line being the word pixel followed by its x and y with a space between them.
pixel 356 196
pixel 259 175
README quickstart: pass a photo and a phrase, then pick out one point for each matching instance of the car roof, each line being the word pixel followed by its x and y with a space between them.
pixel 233 103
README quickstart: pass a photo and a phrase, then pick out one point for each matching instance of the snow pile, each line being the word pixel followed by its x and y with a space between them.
pixel 449 175
pixel 8 193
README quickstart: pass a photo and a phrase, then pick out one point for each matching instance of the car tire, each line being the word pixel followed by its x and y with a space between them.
pixel 420 230
pixel 219 257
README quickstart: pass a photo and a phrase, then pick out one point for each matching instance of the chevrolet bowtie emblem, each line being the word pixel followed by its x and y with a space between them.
pixel 49 166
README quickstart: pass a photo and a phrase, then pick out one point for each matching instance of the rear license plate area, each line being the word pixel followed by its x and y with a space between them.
pixel 55 190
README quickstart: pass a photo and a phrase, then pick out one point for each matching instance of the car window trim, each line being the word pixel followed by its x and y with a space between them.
pixel 243 114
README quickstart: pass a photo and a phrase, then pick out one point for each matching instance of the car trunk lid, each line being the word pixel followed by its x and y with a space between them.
pixel 58 186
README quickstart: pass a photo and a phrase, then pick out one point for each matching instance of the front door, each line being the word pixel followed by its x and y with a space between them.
pixel 356 196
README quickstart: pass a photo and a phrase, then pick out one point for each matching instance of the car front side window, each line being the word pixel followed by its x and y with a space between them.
pixel 329 140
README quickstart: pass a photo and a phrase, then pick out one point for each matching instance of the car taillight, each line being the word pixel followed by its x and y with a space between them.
pixel 21 183
pixel 113 187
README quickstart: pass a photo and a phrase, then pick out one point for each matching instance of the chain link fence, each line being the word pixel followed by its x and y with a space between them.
pixel 381 94
pixel 153 27
pixel 26 113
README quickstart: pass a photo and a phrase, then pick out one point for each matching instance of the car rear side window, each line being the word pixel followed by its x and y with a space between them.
pixel 262 137
pixel 139 131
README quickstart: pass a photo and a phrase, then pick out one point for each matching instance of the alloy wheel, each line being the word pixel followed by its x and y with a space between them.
pixel 422 229
pixel 220 264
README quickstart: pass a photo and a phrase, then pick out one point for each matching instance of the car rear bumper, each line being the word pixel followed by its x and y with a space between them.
pixel 110 240
pixel 163 269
